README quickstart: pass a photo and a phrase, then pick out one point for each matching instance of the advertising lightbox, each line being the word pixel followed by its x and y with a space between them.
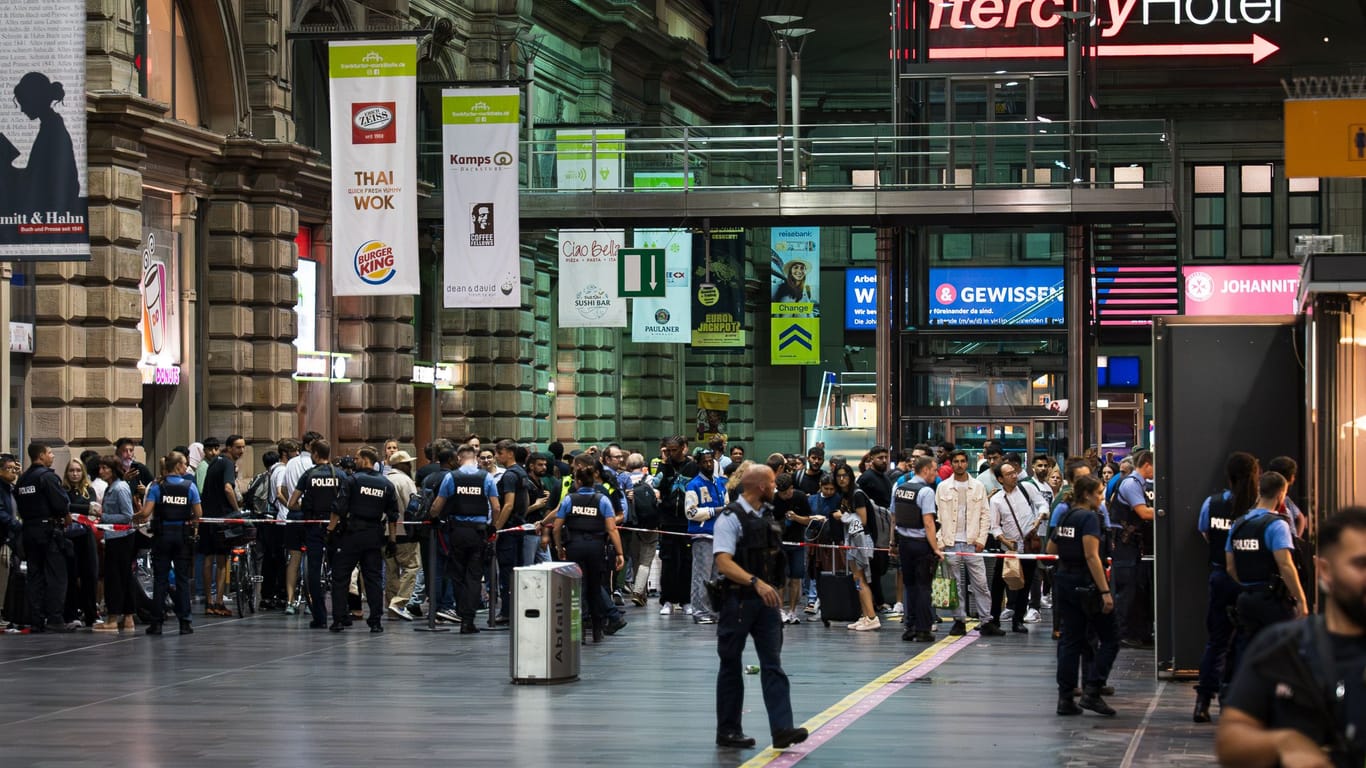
pixel 1268 289
pixel 996 296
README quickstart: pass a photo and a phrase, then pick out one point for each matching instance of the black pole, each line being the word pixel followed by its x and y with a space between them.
pixel 431 587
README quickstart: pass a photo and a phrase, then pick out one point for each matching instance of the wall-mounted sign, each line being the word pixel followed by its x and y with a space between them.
pixel 426 375
pixel 1254 290
pixel 795 285
pixel 1325 137
pixel 589 159
pixel 21 337
pixel 860 299
pixel 322 366
pixel 996 296
pixel 163 375
pixel 160 323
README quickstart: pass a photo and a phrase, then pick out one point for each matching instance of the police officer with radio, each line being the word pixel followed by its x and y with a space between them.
pixel 45 510
pixel 466 502
pixel 1217 515
pixel 1131 509
pixel 366 516
pixel 914 509
pixel 314 495
pixel 1082 598
pixel 172 504
pixel 1259 556
pixel 747 545
pixel 584 525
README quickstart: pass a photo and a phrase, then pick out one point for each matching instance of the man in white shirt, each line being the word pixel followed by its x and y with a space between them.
pixel 294 534
pixel 964 520
pixel 1015 513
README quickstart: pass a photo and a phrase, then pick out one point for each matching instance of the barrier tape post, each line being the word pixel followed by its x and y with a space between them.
pixel 432 583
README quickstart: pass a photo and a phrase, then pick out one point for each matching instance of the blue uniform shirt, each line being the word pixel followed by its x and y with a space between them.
pixel 447 490
pixel 1133 494
pixel 154 492
pixel 1276 536
pixel 1203 524
pixel 726 534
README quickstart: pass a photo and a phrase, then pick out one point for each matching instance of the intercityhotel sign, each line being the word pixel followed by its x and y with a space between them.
pixel 1114 19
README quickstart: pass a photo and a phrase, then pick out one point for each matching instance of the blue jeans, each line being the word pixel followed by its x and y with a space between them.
pixel 741 618
pixel 1223 594
pixel 1075 626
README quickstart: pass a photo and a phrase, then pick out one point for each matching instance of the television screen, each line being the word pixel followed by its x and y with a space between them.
pixel 996 296
pixel 1124 372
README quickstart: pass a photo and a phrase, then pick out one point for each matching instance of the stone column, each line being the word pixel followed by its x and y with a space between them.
pixel 378 402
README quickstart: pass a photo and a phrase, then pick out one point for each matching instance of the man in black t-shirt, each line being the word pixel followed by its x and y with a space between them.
pixel 1300 687
pixel 512 549
pixel 219 499
pixel 793 510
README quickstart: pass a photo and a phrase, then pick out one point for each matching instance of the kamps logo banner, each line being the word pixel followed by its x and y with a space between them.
pixel 374 168
pixel 479 146
pixel 43 181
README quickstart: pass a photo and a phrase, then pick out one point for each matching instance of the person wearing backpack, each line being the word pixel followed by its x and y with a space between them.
pixel 876 484
pixel 675 549
pixel 400 568
pixel 643 514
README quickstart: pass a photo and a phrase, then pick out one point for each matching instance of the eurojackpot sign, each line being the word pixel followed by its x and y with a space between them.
pixel 1120 23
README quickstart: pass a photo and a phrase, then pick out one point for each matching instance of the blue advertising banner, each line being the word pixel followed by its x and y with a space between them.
pixel 860 299
pixel 996 296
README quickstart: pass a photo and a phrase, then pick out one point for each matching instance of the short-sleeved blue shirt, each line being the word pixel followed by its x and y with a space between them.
pixel 1133 494
pixel 1203 524
pixel 1276 536
pixel 154 492
pixel 726 534
pixel 447 488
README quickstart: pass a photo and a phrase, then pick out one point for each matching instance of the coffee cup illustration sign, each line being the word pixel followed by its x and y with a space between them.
pixel 154 300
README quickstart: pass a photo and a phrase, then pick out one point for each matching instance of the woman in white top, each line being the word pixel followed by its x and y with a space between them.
pixel 1016 514
pixel 853 513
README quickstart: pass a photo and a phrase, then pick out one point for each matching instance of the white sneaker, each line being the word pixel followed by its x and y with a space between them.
pixel 687 609
pixel 1046 601
pixel 899 608
pixel 792 618
pixel 1006 615
pixel 865 624
pixel 667 609
pixel 1031 616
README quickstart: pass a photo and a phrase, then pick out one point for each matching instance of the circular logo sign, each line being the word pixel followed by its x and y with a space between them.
pixel 507 286
pixel 592 302
pixel 1199 286
pixel 502 158
pixel 375 118
pixel 661 316
pixel 708 295
pixel 374 263
pixel 946 294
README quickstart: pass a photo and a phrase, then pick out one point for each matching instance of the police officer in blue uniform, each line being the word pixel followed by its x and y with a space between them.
pixel 1259 556
pixel 466 503
pixel 314 495
pixel 747 545
pixel 172 504
pixel 914 511
pixel 1217 515
pixel 584 524
pixel 1131 511
pixel 45 510
pixel 364 521
pixel 1082 598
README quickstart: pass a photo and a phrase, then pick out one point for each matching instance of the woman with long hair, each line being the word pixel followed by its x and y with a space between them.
pixel 120 547
pixel 83 565
pixel 853 512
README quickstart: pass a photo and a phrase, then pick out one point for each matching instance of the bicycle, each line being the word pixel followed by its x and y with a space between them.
pixel 244 576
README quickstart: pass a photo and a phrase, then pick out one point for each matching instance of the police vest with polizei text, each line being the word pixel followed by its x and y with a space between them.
pixel 1068 535
pixel 585 519
pixel 1255 562
pixel 367 507
pixel 174 505
pixel 1221 519
pixel 760 547
pixel 320 485
pixel 904 507
pixel 469 499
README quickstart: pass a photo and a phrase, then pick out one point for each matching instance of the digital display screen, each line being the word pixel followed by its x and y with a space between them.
pixel 996 296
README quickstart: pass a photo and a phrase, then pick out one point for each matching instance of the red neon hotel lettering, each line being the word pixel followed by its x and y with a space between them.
pixel 1043 14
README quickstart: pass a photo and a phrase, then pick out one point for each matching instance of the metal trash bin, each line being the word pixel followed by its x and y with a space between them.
pixel 547 625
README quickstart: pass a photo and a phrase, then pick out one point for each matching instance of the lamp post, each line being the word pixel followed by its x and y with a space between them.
pixel 796 40
pixel 1076 288
pixel 775 22
pixel 1074 20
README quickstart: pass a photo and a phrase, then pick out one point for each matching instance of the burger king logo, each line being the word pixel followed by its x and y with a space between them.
pixel 375 263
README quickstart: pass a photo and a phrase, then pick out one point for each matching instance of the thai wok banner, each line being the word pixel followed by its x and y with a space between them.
pixel 588 279
pixel 482 242
pixel 667 320
pixel 374 168
pixel 43 181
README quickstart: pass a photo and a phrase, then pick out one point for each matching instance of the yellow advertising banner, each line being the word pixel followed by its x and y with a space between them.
pixel 1325 138
pixel 795 340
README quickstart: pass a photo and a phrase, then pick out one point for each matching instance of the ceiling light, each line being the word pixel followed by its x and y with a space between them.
pixel 780 19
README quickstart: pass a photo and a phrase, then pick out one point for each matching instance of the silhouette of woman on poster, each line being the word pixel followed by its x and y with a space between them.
pixel 50 181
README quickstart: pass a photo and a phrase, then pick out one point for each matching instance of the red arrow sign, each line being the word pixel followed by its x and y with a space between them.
pixel 1259 49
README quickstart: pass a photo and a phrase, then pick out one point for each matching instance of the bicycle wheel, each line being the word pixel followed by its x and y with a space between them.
pixel 239 581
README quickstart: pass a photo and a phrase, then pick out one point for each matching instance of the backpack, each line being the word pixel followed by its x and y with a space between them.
pixel 675 498
pixel 645 506
pixel 256 499
pixel 419 509
pixel 881 517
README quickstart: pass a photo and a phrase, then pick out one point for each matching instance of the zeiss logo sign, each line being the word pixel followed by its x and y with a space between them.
pixel 860 299
pixel 996 296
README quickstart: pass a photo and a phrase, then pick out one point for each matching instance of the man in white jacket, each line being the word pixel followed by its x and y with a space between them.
pixel 964 521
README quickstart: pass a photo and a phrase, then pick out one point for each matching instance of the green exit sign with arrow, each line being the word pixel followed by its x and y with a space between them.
pixel 640 273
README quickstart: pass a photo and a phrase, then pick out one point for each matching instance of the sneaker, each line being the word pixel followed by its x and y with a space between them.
pixel 614 627
pixel 638 598
pixel 990 629
pixel 884 608
pixel 793 619
pixel 1031 616
pixel 617 599
pixel 959 628
pixel 811 609
pixel 1006 615
pixel 865 624
pixel 1047 602
pixel 449 616
pixel 687 609
pixel 290 610
pixel 401 612
pixel 899 608
pixel 667 609
pixel 703 620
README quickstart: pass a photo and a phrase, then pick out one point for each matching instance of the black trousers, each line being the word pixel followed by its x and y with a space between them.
pixel 371 562
pixel 119 580
pixel 1133 585
pixel 273 561
pixel 1257 609
pixel 879 564
pixel 1016 600
pixel 46 573
pixel 82 580
pixel 590 554
pixel 675 569
pixel 465 568
pixel 172 548
pixel 918 565
pixel 1080 630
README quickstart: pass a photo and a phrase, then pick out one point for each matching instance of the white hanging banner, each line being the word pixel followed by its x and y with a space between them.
pixel 667 320
pixel 589 158
pixel 374 168
pixel 588 279
pixel 483 232
pixel 43 181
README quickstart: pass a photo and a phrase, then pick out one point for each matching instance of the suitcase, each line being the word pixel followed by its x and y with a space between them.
pixel 838 596
pixel 16 601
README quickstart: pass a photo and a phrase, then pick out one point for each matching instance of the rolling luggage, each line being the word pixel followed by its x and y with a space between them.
pixel 838 596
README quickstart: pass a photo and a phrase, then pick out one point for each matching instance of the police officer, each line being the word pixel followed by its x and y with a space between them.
pixel 313 496
pixel 914 509
pixel 172 504
pixel 366 519
pixel 584 524
pixel 466 502
pixel 748 551
pixel 1131 510
pixel 1259 556
pixel 1082 597
pixel 44 509
pixel 1217 515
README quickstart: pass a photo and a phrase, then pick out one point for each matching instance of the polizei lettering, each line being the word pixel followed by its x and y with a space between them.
pixel 1247 545
pixel 366 490
pixel 324 482
pixel 1067 532
pixel 469 490
pixel 175 499
pixel 1220 523
pixel 582 510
